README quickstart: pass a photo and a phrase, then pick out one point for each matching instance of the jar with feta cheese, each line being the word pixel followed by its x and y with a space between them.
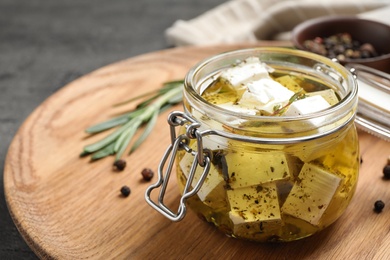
pixel 266 148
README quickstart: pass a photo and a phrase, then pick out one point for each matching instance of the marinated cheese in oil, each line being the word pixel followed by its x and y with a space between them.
pixel 266 192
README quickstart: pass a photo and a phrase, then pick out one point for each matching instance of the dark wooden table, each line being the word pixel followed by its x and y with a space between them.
pixel 46 44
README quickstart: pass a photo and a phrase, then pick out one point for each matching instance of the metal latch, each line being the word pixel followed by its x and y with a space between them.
pixel 201 159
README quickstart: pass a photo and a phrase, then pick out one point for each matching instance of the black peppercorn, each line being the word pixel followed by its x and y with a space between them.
pixel 120 165
pixel 340 46
pixel 125 190
pixel 147 174
pixel 378 206
pixel 386 172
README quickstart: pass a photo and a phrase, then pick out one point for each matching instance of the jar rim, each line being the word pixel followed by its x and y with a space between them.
pixel 347 75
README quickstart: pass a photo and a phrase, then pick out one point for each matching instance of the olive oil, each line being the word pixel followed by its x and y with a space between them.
pixel 266 148
pixel 267 192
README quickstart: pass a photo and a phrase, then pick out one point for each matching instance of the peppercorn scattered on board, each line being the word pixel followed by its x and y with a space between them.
pixel 68 208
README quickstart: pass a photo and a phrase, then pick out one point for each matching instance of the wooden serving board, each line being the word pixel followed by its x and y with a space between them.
pixel 68 208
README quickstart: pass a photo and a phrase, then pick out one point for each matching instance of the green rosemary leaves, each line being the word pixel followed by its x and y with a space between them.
pixel 143 117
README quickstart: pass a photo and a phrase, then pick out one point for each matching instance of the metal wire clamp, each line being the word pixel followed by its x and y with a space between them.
pixel 201 159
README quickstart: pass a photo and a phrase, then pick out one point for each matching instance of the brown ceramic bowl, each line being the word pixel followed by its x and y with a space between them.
pixel 362 30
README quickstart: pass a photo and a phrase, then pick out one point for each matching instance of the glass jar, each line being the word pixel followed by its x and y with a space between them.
pixel 264 178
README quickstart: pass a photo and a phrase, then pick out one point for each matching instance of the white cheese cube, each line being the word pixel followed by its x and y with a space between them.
pixel 265 94
pixel 248 169
pixel 249 70
pixel 307 105
pixel 213 142
pixel 254 209
pixel 311 194
pixel 328 94
pixel 212 192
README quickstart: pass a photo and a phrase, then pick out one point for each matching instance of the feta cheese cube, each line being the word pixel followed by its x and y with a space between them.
pixel 254 209
pixel 264 94
pixel 307 105
pixel 311 194
pixel 290 82
pixel 212 192
pixel 329 95
pixel 249 70
pixel 248 169
pixel 213 142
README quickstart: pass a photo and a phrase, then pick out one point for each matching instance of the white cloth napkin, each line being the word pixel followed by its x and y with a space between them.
pixel 251 20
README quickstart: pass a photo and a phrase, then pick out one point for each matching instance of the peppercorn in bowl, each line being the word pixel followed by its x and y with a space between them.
pixel 348 39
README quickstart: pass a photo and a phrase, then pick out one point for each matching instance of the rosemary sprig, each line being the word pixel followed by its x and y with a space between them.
pixel 279 110
pixel 127 124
